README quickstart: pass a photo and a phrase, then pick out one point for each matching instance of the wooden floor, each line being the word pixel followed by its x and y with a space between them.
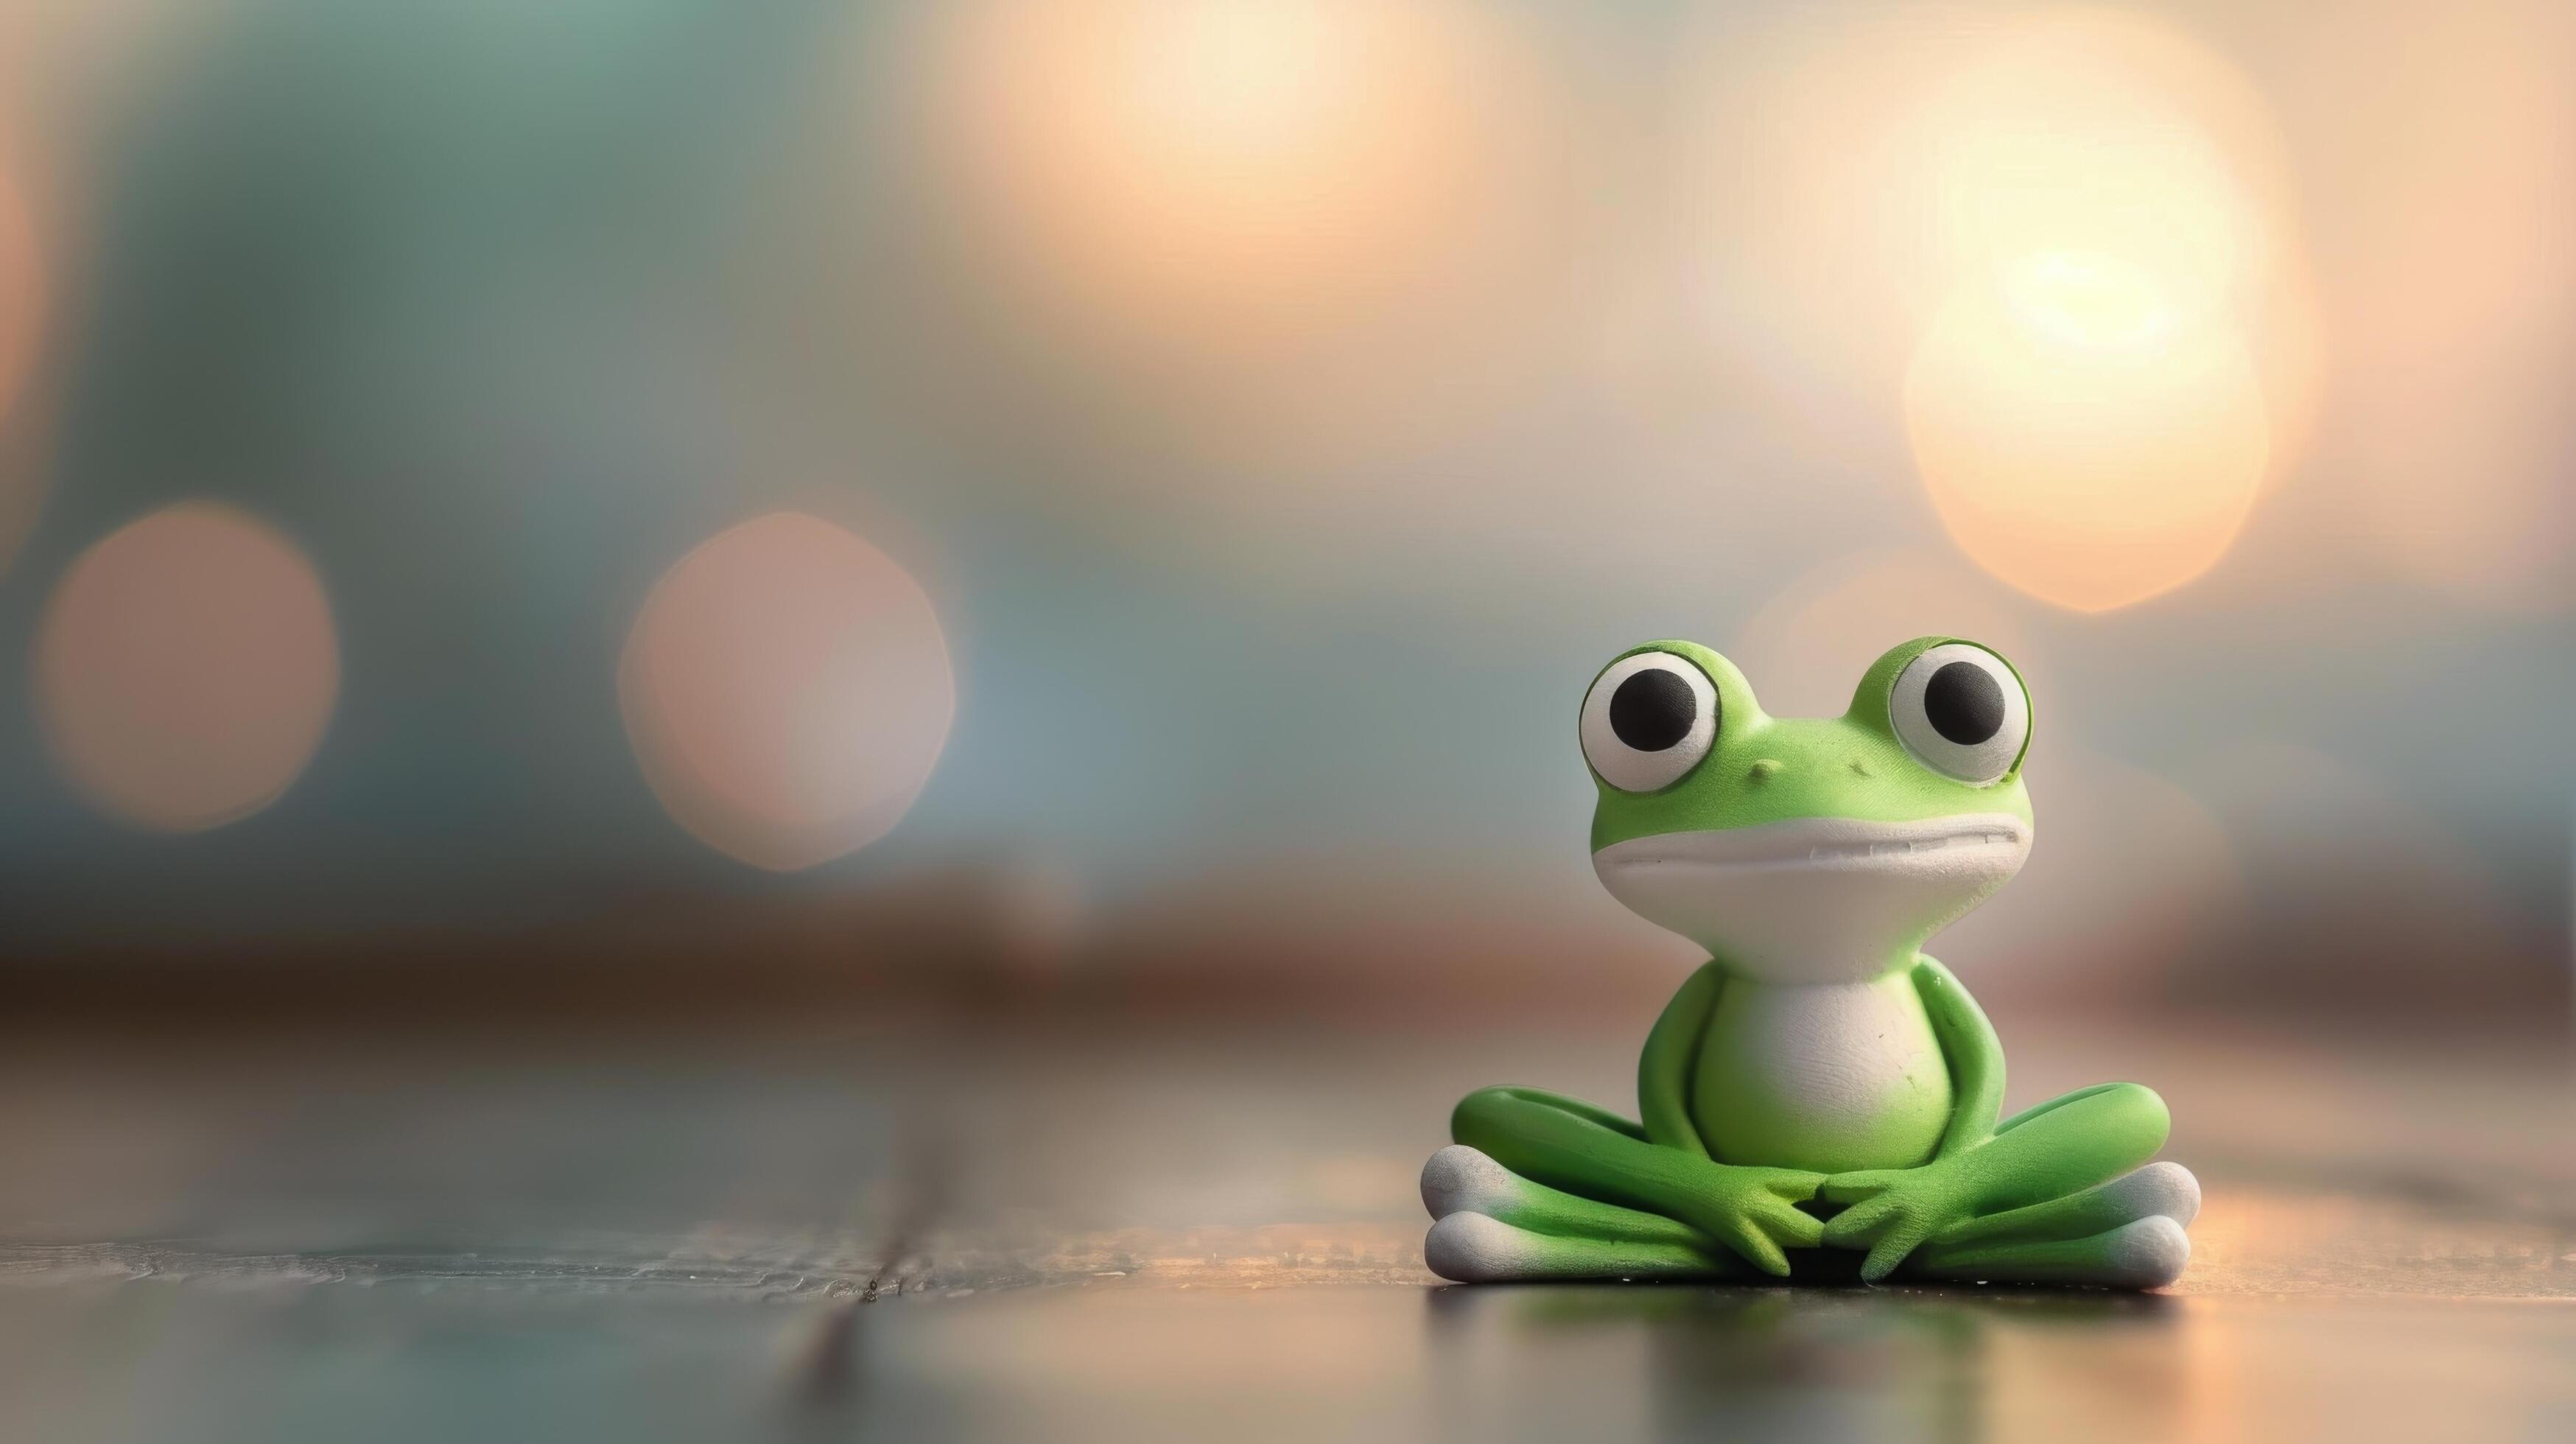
pixel 929 1232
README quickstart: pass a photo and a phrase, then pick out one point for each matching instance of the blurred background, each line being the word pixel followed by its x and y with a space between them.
pixel 1083 490
pixel 1079 518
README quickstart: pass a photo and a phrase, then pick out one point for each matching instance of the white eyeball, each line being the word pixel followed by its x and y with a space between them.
pixel 1648 720
pixel 1961 712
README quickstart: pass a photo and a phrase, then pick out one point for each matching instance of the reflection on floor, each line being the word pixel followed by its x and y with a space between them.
pixel 925 1233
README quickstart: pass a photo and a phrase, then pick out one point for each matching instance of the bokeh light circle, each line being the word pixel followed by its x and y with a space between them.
pixel 2054 219
pixel 2095 130
pixel 186 668
pixel 1190 238
pixel 1216 177
pixel 2085 434
pixel 2092 403
pixel 787 690
pixel 1852 166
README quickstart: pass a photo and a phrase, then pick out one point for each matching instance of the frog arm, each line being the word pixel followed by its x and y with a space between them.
pixel 1974 1054
pixel 1664 1069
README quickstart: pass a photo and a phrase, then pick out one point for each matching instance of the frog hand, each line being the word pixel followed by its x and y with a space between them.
pixel 1754 1211
pixel 1891 1211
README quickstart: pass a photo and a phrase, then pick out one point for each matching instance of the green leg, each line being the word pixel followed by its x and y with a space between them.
pixel 1572 1146
pixel 1476 1248
pixel 2127 1233
pixel 2067 1145
pixel 1458 1179
pixel 1577 1172
pixel 2074 1140
pixel 1492 1225
pixel 2145 1254
pixel 2158 1190
pixel 2033 1186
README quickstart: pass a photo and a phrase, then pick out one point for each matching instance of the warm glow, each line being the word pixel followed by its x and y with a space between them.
pixel 2091 131
pixel 2092 404
pixel 2092 301
pixel 787 691
pixel 2453 266
pixel 2066 238
pixel 2083 436
pixel 1218 176
pixel 186 668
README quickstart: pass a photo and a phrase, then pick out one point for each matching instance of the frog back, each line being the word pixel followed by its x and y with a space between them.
pixel 1828 1077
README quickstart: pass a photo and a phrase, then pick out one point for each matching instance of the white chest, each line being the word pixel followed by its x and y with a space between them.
pixel 1831 1075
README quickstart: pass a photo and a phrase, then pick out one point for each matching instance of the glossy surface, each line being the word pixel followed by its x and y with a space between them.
pixel 913 1233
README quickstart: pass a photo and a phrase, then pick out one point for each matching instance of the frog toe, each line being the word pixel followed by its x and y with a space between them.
pixel 2147 1254
pixel 2165 1190
pixel 1460 1179
pixel 1471 1248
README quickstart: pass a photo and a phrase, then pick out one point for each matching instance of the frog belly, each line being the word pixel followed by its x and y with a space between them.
pixel 1829 1076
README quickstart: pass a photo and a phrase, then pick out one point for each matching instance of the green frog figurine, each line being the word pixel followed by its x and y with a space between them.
pixel 1819 1089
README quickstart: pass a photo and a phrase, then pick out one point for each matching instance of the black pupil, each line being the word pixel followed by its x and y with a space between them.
pixel 1965 703
pixel 1653 710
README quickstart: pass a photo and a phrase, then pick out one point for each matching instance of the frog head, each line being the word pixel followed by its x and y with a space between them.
pixel 1809 849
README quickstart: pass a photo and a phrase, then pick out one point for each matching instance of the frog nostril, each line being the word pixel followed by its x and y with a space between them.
pixel 1858 767
pixel 1762 769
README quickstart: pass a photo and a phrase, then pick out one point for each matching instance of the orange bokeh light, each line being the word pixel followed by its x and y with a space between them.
pixel 186 668
pixel 2099 132
pixel 2093 403
pixel 2082 435
pixel 1223 179
pixel 787 690
pixel 2064 240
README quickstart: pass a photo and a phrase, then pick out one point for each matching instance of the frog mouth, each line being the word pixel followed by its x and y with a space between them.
pixel 1815 899
pixel 1933 844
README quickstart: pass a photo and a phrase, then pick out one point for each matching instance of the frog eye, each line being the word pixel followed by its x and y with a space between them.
pixel 1962 712
pixel 1649 719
